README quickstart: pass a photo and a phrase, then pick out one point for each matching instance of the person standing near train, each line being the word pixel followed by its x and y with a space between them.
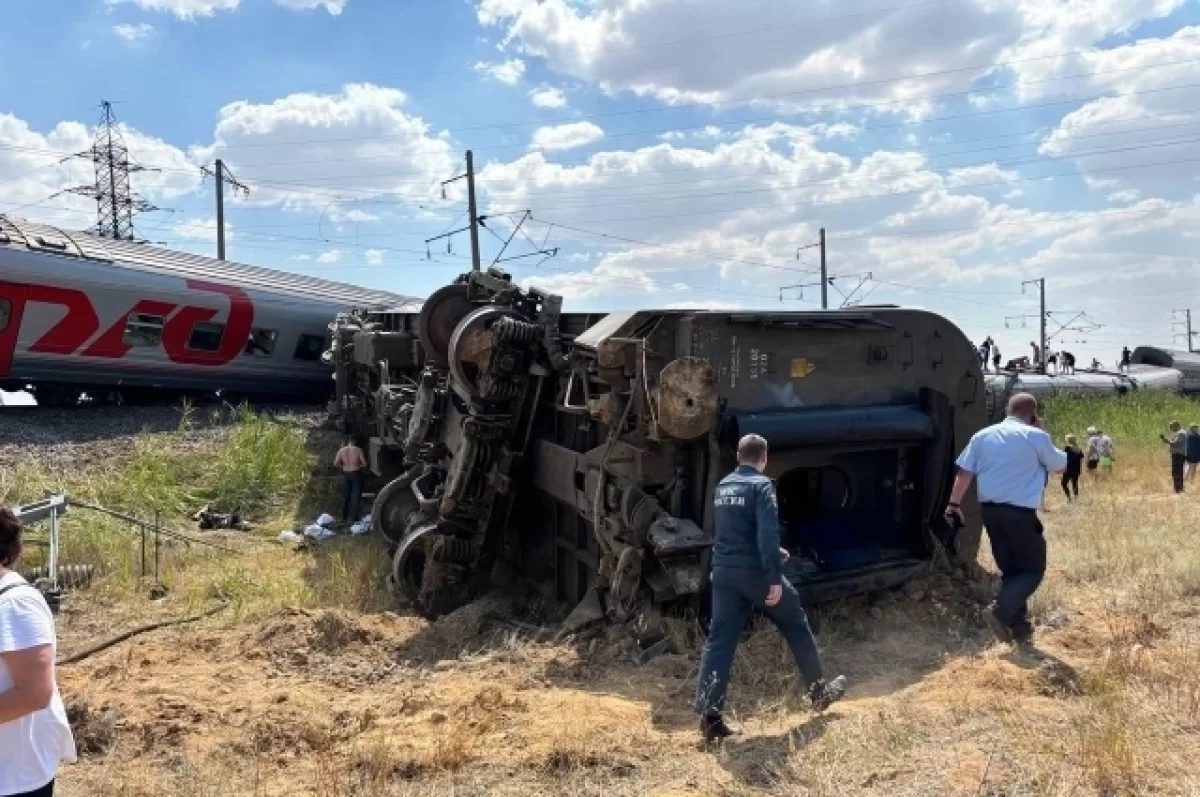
pixel 1192 451
pixel 1176 440
pixel 1070 476
pixel 352 462
pixel 1010 462
pixel 747 564
pixel 34 734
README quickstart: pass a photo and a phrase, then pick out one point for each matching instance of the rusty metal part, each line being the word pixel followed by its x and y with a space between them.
pixel 687 398
pixel 466 348
pixel 626 579
pixel 439 316
pixel 424 414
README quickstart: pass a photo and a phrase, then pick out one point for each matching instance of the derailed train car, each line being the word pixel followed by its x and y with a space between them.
pixel 583 449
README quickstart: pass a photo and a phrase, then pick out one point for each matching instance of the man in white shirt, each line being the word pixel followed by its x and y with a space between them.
pixel 34 734
pixel 1010 462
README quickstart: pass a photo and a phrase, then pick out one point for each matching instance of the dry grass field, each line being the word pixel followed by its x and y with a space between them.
pixel 311 683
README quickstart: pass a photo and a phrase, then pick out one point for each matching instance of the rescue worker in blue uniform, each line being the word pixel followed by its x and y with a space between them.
pixel 746 574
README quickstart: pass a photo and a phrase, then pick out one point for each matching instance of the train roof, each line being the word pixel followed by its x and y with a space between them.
pixel 1166 358
pixel 25 235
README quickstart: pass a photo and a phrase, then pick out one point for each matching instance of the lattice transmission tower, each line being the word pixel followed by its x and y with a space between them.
pixel 116 202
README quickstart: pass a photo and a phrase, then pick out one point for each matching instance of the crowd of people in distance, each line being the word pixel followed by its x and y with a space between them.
pixel 1056 362
pixel 1099 454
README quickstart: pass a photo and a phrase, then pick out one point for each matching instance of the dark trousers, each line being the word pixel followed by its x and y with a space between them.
pixel 1070 482
pixel 1177 461
pixel 45 791
pixel 736 592
pixel 352 490
pixel 1020 552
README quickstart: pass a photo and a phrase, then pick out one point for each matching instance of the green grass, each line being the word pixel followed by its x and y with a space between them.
pixel 266 468
pixel 1135 419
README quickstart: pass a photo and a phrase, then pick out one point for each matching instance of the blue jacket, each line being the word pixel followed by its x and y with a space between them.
pixel 746 523
pixel 1193 447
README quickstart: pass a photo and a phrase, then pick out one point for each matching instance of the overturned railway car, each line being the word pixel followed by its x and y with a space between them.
pixel 1187 363
pixel 1143 376
pixel 584 449
pixel 80 314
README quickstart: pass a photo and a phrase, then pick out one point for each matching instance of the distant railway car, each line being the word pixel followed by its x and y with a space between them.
pixel 1082 383
pixel 80 314
pixel 1187 363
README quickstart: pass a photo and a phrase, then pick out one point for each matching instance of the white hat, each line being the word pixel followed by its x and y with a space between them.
pixel 1093 430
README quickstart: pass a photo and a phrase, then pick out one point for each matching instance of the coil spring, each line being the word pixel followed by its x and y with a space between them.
pixel 453 549
pixel 492 388
pixel 510 330
pixel 69 576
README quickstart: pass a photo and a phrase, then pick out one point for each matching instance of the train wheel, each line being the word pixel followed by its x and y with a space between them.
pixel 439 316
pixel 395 506
pixel 408 563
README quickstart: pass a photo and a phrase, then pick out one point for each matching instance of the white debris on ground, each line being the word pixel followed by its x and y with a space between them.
pixel 322 529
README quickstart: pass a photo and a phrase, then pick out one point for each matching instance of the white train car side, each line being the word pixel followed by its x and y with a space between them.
pixel 83 314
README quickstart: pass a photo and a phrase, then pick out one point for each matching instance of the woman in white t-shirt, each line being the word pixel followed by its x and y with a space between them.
pixel 34 734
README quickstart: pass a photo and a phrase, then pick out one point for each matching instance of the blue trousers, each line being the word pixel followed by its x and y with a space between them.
pixel 736 592
pixel 352 490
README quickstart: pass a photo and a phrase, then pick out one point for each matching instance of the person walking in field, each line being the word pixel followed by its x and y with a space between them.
pixel 1192 451
pixel 34 734
pixel 352 462
pixel 1176 440
pixel 747 562
pixel 1091 454
pixel 1070 476
pixel 1010 461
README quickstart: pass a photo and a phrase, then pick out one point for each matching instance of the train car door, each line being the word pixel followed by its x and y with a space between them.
pixel 12 308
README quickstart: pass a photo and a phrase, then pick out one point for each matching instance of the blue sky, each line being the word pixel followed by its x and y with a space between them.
pixel 675 152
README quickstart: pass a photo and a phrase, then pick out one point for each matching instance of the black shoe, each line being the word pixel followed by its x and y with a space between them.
pixel 823 694
pixel 713 728
pixel 1002 631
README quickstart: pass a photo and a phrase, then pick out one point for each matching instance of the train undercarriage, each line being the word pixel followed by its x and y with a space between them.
pixel 583 449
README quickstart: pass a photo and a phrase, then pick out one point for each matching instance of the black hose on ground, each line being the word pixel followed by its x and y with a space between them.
pixel 119 638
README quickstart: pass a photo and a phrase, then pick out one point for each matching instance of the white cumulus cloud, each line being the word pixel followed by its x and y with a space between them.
pixel 132 34
pixel 334 7
pixel 184 9
pixel 374 257
pixel 548 97
pixel 568 136
pixel 332 256
pixel 297 150
pixel 192 9
pixel 509 71
pixel 200 229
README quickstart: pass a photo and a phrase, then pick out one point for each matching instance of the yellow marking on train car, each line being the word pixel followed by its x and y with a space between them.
pixel 802 367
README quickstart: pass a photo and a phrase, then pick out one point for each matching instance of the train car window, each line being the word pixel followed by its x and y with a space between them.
pixel 5 313
pixel 310 347
pixel 261 342
pixel 143 330
pixel 206 336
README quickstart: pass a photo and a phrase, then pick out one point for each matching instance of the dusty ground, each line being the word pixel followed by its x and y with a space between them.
pixel 278 696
